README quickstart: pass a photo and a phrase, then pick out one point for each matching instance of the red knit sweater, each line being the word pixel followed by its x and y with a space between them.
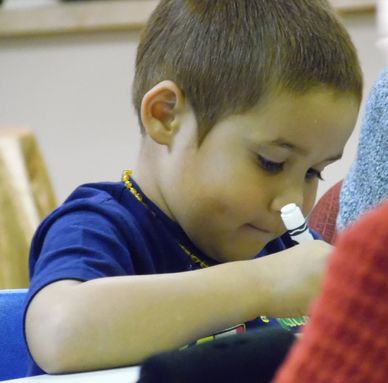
pixel 346 340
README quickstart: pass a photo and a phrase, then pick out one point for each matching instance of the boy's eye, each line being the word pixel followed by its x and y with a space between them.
pixel 312 173
pixel 270 166
pixel 274 167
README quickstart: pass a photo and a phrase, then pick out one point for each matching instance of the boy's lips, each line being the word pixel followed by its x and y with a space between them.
pixel 259 228
pixel 276 232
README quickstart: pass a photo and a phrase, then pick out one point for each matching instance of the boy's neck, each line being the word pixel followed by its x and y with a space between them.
pixel 146 176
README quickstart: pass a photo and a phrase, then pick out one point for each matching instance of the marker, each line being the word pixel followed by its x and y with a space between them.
pixel 297 228
pixel 295 223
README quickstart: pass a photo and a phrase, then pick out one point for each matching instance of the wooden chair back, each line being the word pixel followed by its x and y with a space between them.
pixel 26 196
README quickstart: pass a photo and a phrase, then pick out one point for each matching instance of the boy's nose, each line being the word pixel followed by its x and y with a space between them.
pixel 286 196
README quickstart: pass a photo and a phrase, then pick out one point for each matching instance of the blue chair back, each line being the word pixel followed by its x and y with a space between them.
pixel 14 357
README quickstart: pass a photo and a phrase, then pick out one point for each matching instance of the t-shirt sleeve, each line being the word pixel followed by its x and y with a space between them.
pixel 83 244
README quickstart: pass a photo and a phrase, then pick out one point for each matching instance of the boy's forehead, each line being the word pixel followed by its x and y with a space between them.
pixel 322 95
pixel 314 107
pixel 299 122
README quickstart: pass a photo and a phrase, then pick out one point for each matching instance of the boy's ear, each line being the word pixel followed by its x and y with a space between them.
pixel 160 109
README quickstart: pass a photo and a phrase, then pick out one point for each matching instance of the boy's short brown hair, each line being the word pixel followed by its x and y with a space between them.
pixel 226 54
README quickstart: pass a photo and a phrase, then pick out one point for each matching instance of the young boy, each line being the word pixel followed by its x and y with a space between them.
pixel 241 103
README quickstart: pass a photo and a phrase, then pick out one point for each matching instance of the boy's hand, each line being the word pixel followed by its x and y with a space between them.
pixel 293 278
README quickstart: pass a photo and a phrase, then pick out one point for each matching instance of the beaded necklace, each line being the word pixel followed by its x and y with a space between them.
pixel 126 179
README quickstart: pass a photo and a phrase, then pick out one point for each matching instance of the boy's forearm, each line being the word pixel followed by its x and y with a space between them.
pixel 108 322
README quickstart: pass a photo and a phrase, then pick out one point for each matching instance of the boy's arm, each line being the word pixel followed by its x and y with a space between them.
pixel 116 321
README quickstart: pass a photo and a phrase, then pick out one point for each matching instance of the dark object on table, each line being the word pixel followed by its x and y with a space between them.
pixel 248 357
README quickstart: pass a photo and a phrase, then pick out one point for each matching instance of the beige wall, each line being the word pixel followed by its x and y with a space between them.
pixel 74 92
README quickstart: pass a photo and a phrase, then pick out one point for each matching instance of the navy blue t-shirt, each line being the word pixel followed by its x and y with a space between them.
pixel 103 230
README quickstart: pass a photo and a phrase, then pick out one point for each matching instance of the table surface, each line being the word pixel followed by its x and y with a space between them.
pixel 117 375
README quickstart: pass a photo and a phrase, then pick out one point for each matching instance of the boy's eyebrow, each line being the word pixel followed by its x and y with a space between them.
pixel 285 144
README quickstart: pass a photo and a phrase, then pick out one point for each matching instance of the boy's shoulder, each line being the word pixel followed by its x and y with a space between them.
pixel 99 192
pixel 108 197
pixel 97 221
pixel 94 205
